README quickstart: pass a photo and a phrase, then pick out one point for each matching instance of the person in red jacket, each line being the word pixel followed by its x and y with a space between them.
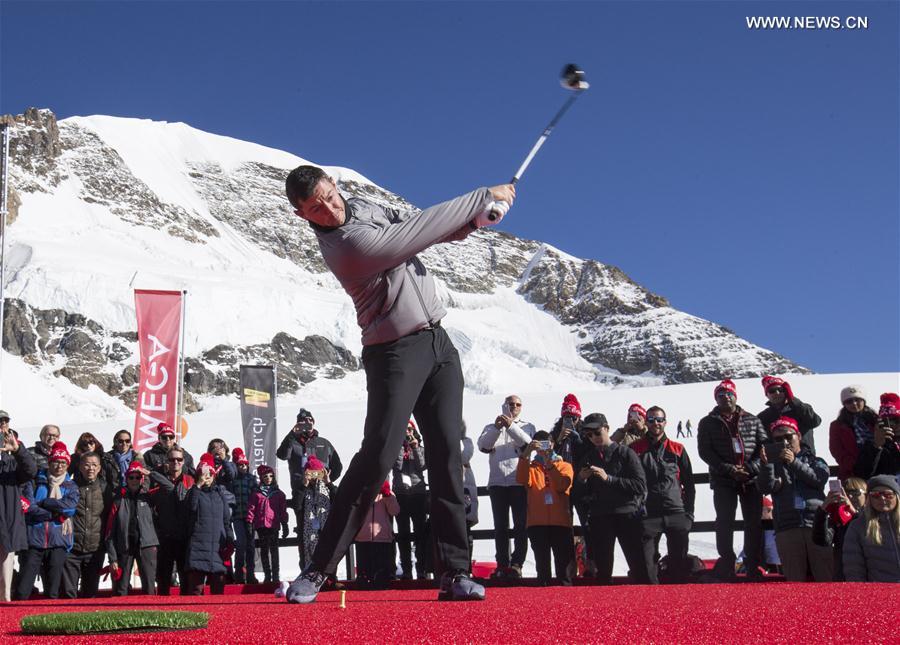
pixel 268 509
pixel 854 426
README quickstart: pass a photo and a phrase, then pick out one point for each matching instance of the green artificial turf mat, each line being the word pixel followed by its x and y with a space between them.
pixel 97 622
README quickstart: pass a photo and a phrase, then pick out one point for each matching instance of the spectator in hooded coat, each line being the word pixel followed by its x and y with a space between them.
pixel 51 500
pixel 17 467
pixel 268 509
pixel 210 537
pixel 782 403
pixel 872 542
pixel 854 426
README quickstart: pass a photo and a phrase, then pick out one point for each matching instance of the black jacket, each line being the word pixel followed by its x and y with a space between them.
pixel 797 489
pixel 801 412
pixel 118 535
pixel 295 450
pixel 670 478
pixel 827 532
pixel 155 460
pixel 169 500
pixel 41 455
pixel 209 529
pixel 16 469
pixel 878 461
pixel 89 521
pixel 716 447
pixel 110 468
pixel 623 492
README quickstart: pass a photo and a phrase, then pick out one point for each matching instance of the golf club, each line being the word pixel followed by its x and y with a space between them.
pixel 572 78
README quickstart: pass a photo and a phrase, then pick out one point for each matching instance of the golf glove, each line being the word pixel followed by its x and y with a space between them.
pixel 497 209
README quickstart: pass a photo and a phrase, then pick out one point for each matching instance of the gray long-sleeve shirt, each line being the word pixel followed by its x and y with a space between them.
pixel 373 256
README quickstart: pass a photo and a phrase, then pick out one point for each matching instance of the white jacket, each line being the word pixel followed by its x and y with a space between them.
pixel 504 445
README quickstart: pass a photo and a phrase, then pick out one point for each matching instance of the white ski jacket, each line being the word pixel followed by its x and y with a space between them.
pixel 504 446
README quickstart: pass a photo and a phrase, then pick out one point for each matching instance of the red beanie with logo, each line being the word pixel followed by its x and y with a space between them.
pixel 571 406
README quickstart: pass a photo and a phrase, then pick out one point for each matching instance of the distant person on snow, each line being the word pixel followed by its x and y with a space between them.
pixel 782 403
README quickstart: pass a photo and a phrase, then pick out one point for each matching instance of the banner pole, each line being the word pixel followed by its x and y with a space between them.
pixel 179 415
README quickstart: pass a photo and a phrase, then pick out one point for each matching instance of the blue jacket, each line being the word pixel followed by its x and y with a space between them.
pixel 45 517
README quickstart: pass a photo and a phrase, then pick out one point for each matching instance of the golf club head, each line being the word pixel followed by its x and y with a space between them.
pixel 572 78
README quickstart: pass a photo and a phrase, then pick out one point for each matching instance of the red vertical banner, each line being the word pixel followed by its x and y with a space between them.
pixel 159 334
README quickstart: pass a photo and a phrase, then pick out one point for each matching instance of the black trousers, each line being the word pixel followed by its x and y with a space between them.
pixel 676 528
pixel 375 561
pixel 171 555
pixel 559 540
pixel 267 541
pixel 196 581
pixel 146 561
pixel 83 568
pixel 49 563
pixel 725 501
pixel 506 499
pixel 605 530
pixel 413 510
pixel 419 373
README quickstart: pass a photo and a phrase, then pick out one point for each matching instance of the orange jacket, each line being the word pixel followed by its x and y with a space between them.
pixel 542 485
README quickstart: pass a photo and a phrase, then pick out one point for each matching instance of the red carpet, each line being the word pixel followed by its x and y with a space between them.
pixel 743 613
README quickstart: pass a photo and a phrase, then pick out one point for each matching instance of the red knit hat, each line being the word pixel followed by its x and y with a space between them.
pixel 571 406
pixel 135 467
pixel 413 424
pixel 784 422
pixel 165 428
pixel 386 488
pixel 206 461
pixel 637 407
pixel 313 463
pixel 59 453
pixel 890 405
pixel 238 457
pixel 728 386
pixel 262 469
pixel 774 381
pixel 767 502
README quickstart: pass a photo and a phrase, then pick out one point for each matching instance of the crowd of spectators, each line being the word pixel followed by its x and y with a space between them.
pixel 65 515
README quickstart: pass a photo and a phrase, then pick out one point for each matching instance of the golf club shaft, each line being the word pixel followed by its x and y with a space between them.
pixel 537 146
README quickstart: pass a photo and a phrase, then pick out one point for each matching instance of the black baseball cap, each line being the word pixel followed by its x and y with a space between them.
pixel 594 421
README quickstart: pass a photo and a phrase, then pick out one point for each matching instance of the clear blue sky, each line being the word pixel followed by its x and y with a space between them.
pixel 749 176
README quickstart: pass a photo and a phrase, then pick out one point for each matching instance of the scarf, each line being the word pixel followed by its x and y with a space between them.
pixel 54 491
pixel 267 489
pixel 123 459
pixel 862 431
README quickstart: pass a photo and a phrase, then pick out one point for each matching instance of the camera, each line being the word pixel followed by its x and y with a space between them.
pixel 773 449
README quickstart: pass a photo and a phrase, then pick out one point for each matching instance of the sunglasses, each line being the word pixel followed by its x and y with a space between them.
pixel 656 419
pixel 775 390
pixel 135 477
pixel 514 405
pixel 4 420
pixel 855 492
pixel 593 433
pixel 167 437
pixel 886 495
pixel 175 459
pixel 123 440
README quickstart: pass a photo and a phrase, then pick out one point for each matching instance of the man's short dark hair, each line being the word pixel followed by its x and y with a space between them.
pixel 301 183
pixel 655 408
pixel 95 455
pixel 541 435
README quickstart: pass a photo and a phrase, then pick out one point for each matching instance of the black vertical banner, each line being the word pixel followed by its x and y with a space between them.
pixel 258 414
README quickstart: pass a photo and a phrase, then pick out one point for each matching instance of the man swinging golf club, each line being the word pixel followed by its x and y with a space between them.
pixel 410 362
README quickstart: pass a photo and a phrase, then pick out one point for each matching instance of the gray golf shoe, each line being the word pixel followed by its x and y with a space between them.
pixel 458 585
pixel 305 588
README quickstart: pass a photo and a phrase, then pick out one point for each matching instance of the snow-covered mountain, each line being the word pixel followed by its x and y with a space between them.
pixel 102 205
